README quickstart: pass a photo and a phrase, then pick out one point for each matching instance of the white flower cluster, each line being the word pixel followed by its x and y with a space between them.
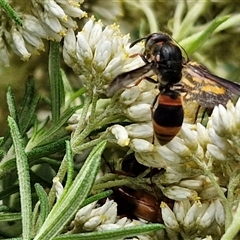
pixel 97 54
pixel 137 102
pixel 50 20
pixel 225 134
pixel 193 219
pixel 196 150
pixel 96 217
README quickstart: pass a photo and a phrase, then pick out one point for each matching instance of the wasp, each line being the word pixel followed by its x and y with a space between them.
pixel 139 203
pixel 178 79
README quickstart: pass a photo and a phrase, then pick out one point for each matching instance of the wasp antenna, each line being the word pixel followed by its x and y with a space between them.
pixel 164 30
pixel 185 53
pixel 137 41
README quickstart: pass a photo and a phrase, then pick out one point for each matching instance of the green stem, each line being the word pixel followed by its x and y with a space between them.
pixel 221 195
pixel 233 183
pixel 234 228
pixel 93 124
pixel 82 121
pixel 110 184
pixel 149 13
pixel 56 84
pixel 10 11
pixel 189 20
pixel 178 15
pixel 61 174
pixel 81 147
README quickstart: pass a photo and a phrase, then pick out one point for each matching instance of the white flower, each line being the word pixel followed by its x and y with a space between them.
pixel 216 152
pixel 32 25
pixel 195 184
pixel 168 155
pixel 141 145
pixel 130 95
pixel 140 112
pixel 58 187
pixel 190 217
pixel 109 210
pixel 84 213
pixel 19 44
pixel 180 209
pixel 208 217
pixel 120 134
pixel 83 51
pixel 180 193
pixel 92 223
pixel 147 95
pixel 177 146
pixel 150 159
pixel 102 55
pixel 54 9
pixel 218 141
pixel 172 174
pixel 169 217
pixel 189 136
pixel 141 130
pixel 202 135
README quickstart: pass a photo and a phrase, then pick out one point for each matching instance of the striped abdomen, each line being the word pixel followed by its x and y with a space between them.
pixel 167 116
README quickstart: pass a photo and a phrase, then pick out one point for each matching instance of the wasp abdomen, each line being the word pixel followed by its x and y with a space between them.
pixel 167 116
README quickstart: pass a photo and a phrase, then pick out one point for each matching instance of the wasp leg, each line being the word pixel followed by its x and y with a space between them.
pixel 154 102
pixel 142 57
pixel 151 80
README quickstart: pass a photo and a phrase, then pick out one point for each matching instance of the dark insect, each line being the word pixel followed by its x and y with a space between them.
pixel 139 203
pixel 178 79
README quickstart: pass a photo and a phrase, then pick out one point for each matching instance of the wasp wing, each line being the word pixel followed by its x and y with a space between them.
pixel 205 88
pixel 124 79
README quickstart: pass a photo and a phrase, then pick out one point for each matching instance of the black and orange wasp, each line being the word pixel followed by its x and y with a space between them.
pixel 177 78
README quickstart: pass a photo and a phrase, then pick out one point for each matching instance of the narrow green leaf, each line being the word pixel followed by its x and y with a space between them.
pixel 12 104
pixel 70 201
pixel 25 116
pixel 70 171
pixel 29 105
pixel 114 234
pixel 9 10
pixel 14 114
pixel 97 197
pixel 78 93
pixel 54 132
pixel 34 155
pixel 24 179
pixel 44 206
pixel 195 41
pixel 188 22
pixel 5 217
pixel 56 84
